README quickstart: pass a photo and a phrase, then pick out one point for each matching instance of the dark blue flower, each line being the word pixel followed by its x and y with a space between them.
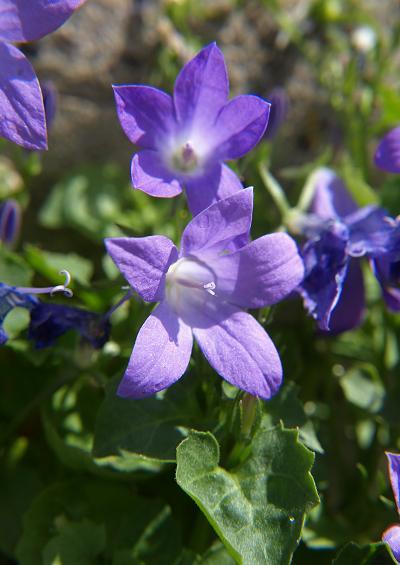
pixel 50 321
pixel 10 220
pixel 10 298
pixel 333 288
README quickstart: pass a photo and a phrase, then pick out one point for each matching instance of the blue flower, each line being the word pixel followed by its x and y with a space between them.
pixel 340 234
pixel 10 298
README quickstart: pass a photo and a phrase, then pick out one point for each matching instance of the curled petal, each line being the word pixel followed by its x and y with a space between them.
pixel 146 114
pixel 150 175
pixel 387 155
pixel 349 310
pixel 28 20
pixel 239 126
pixel 201 89
pixel 215 229
pixel 144 262
pixel 240 350
pixel 160 355
pixel 218 184
pixel 372 232
pixel 261 273
pixel 22 116
pixel 331 198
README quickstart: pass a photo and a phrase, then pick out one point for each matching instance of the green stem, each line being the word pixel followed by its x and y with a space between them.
pixel 275 191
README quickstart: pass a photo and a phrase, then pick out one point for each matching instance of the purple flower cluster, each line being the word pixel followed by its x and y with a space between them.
pixel 186 138
pixel 340 234
pixel 22 111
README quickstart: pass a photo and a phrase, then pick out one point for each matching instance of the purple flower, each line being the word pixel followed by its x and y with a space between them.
pixel 22 114
pixel 11 298
pixel 387 155
pixel 50 321
pixel 392 534
pixel 340 234
pixel 277 114
pixel 10 222
pixel 186 138
pixel 202 290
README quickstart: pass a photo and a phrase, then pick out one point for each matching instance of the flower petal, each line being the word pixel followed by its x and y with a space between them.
pixel 387 155
pixel 219 183
pixel 387 272
pixel 331 198
pixel 239 127
pixel 372 232
pixel 160 355
pixel 28 20
pixel 144 262
pixel 146 114
pixel 261 273
pixel 392 537
pixel 220 225
pixel 325 262
pixel 150 175
pixel 394 475
pixel 22 117
pixel 201 89
pixel 10 298
pixel 350 307
pixel 240 350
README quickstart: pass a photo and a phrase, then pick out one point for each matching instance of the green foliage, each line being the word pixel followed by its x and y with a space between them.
pixel 258 507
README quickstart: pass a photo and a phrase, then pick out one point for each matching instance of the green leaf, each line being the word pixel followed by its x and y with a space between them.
pixel 287 408
pixel 78 543
pixel 257 508
pixel 50 264
pixel 372 554
pixel 151 427
pixel 97 518
pixel 14 271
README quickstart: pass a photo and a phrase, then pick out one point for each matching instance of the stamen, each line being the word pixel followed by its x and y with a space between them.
pixel 50 289
pixel 210 287
pixel 63 287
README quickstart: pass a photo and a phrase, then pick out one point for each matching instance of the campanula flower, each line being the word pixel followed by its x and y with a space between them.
pixel 387 155
pixel 50 321
pixel 11 298
pixel 202 291
pixel 185 138
pixel 10 221
pixel 340 234
pixel 22 113
pixel 278 111
pixel 392 534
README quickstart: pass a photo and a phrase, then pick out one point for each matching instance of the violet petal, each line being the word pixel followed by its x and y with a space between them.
pixel 219 183
pixel 392 537
pixel 146 114
pixel 349 310
pixel 144 262
pixel 239 126
pixel 387 155
pixel 160 355
pixel 213 230
pixel 28 20
pixel 201 89
pixel 387 273
pixel 150 175
pixel 22 116
pixel 261 273
pixel 240 350
pixel 331 198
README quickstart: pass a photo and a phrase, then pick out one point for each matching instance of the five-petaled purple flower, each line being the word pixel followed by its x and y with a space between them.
pixel 186 138
pixel 22 113
pixel 392 534
pixel 340 234
pixel 387 155
pixel 202 291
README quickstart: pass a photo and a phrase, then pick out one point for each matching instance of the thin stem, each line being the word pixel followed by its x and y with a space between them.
pixel 275 191
pixel 126 297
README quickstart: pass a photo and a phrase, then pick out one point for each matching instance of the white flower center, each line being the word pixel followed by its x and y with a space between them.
pixel 185 159
pixel 189 283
